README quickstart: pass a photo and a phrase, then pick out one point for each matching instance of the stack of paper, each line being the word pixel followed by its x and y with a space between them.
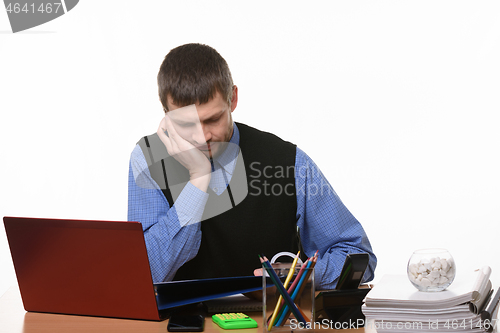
pixel 394 304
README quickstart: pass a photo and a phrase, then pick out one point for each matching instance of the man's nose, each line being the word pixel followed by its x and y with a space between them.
pixel 201 135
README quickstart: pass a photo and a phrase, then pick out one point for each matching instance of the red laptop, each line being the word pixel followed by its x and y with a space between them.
pixel 96 268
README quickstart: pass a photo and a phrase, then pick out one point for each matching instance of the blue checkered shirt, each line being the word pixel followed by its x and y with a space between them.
pixel 173 235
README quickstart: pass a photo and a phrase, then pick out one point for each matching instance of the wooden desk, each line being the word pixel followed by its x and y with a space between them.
pixel 14 319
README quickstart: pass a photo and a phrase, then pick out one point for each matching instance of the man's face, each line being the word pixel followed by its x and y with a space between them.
pixel 206 126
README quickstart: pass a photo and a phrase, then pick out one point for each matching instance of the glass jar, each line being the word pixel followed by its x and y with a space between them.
pixel 431 269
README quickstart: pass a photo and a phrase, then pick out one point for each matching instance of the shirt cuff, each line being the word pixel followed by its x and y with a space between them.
pixel 190 205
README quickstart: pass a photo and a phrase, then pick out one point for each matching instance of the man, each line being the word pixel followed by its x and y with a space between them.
pixel 212 194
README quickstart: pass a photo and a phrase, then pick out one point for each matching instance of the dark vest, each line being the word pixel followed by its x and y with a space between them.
pixel 262 222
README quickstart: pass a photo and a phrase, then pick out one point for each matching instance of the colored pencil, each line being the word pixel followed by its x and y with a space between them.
pixel 285 311
pixel 298 290
pixel 281 289
pixel 287 281
pixel 294 284
pixel 299 275
pixel 290 290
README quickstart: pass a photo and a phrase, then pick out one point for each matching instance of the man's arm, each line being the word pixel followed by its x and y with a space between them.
pixel 325 224
pixel 172 235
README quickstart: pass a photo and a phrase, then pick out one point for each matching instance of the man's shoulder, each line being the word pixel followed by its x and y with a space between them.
pixel 260 136
pixel 301 157
pixel 148 140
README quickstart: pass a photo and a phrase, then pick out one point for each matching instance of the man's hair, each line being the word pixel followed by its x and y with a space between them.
pixel 194 73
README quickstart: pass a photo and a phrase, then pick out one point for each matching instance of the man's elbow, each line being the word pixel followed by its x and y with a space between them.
pixel 370 270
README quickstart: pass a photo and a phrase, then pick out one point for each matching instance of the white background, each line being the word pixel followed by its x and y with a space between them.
pixel 396 101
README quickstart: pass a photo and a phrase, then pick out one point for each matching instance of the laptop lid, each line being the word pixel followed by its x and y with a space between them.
pixel 96 268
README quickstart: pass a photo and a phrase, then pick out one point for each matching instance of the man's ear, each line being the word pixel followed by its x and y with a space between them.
pixel 234 99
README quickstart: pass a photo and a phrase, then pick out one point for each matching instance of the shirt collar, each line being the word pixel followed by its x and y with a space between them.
pixel 227 159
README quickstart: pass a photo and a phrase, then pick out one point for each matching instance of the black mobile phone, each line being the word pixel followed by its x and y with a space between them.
pixel 355 265
pixel 186 323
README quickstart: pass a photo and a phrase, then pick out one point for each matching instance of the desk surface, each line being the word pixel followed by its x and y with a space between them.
pixel 14 319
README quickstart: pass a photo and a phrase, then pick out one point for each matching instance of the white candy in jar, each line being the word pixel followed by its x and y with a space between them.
pixel 434 272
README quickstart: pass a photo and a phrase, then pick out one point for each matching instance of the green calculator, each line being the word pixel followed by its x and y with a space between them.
pixel 231 321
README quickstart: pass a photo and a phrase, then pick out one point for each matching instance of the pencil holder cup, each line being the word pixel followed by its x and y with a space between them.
pixel 277 313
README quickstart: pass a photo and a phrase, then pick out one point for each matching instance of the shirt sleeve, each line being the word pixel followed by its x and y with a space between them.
pixel 172 235
pixel 325 224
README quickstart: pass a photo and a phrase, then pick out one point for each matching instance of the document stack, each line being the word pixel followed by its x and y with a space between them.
pixel 395 305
